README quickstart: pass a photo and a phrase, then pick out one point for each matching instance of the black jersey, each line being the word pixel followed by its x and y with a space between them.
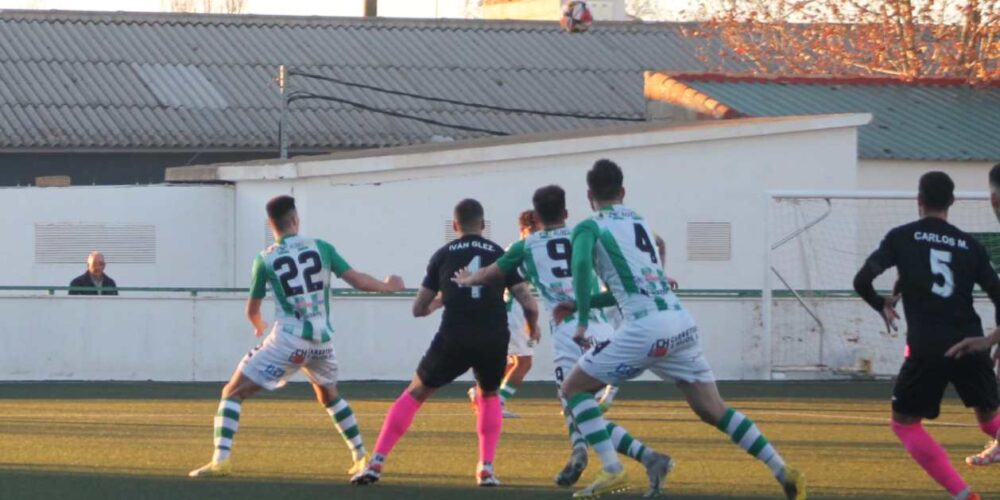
pixel 479 307
pixel 938 266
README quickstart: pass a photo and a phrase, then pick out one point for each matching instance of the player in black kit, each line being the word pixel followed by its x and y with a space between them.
pixel 473 334
pixel 938 267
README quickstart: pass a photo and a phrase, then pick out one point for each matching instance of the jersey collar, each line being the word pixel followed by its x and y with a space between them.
pixel 286 237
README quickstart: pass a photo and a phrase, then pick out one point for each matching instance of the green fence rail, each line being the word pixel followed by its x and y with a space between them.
pixel 410 292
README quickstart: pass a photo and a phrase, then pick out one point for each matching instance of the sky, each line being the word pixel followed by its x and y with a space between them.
pixel 388 8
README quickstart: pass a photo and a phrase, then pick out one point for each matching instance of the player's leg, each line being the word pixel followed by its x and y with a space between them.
pixel 566 354
pixel 917 395
pixel 976 384
pixel 266 366
pixel 488 363
pixel 611 362
pixel 323 371
pixel 520 352
pixel 440 365
pixel 606 397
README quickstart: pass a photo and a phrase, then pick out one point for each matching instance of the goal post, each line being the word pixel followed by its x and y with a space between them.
pixel 815 325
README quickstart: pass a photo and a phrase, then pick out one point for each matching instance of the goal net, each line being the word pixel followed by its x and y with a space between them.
pixel 817 243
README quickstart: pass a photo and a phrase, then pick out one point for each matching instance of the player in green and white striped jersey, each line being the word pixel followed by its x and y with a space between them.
pixel 298 271
pixel 544 258
pixel 657 335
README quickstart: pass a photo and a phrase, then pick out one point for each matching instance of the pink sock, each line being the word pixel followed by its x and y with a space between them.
pixel 930 455
pixel 991 428
pixel 397 421
pixel 488 425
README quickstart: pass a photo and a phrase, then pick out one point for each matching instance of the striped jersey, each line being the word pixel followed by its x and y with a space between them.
pixel 618 244
pixel 298 272
pixel 544 258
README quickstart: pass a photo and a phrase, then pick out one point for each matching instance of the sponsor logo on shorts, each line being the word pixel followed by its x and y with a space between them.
pixel 662 347
pixel 274 371
pixel 659 349
pixel 626 371
pixel 321 353
pixel 298 357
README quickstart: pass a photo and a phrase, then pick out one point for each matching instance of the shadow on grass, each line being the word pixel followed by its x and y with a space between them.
pixel 48 484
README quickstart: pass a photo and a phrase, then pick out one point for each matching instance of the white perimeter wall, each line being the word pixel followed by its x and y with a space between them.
pixel 194 232
pixel 202 339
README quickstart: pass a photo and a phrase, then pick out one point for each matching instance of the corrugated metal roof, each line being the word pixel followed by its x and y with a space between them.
pixel 916 122
pixel 177 81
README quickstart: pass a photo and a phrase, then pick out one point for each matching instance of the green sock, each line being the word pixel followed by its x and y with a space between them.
pixel 745 433
pixel 343 418
pixel 507 391
pixel 626 444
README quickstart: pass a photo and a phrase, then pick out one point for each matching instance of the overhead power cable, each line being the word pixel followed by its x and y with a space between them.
pixel 299 95
pixel 456 102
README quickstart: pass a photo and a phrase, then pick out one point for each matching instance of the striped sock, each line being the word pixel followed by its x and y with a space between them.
pixel 625 443
pixel 343 418
pixel 507 391
pixel 744 432
pixel 592 425
pixel 575 438
pixel 227 420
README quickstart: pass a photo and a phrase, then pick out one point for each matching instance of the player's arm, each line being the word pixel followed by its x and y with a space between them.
pixel 661 250
pixel 258 290
pixel 986 278
pixel 881 259
pixel 495 272
pixel 429 295
pixel 427 301
pixel 522 294
pixel 357 279
pixel 584 238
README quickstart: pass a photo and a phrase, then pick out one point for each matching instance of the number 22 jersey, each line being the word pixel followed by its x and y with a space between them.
pixel 298 270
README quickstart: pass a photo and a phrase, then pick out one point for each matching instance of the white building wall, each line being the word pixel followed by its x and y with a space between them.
pixel 903 175
pixel 391 222
pixel 194 232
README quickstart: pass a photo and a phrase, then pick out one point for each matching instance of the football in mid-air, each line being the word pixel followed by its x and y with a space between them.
pixel 576 17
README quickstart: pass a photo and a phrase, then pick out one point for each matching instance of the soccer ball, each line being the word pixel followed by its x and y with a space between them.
pixel 576 17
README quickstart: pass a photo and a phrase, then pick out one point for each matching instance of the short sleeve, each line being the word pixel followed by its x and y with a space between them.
pixel 884 256
pixel 332 259
pixel 432 278
pixel 258 279
pixel 512 259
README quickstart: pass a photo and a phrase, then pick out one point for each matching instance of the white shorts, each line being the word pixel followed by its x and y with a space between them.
pixel 519 345
pixel 666 343
pixel 274 361
pixel 567 352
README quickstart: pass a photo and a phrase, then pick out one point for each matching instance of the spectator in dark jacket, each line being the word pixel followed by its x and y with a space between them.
pixel 94 278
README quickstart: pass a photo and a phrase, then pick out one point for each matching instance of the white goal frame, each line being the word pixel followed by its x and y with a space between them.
pixel 772 279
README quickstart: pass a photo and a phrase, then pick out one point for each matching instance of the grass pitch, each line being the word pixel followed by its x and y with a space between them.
pixel 133 440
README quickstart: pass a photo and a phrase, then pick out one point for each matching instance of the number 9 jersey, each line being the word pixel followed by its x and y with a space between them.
pixel 298 270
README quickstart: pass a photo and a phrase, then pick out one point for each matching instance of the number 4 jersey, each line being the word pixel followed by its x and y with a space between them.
pixel 938 267
pixel 298 270
pixel 617 243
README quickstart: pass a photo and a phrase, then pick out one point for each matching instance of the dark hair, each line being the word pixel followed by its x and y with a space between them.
pixel 550 203
pixel 278 210
pixel 995 176
pixel 937 190
pixel 605 180
pixel 527 220
pixel 469 214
